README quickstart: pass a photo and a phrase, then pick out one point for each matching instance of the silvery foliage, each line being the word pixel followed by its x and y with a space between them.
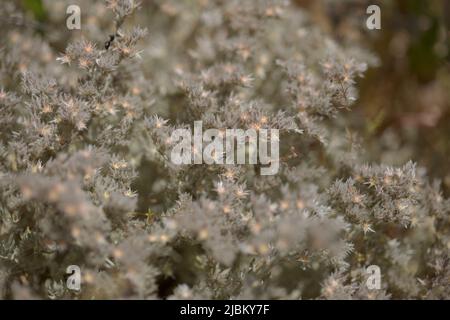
pixel 86 178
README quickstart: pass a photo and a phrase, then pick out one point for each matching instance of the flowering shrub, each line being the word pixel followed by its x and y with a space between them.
pixel 86 176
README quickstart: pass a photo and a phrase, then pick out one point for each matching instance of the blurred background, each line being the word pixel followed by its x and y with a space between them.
pixel 403 112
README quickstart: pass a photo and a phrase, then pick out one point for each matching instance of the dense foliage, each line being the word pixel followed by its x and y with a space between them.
pixel 86 176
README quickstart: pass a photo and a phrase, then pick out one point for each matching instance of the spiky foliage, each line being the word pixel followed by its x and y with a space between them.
pixel 86 176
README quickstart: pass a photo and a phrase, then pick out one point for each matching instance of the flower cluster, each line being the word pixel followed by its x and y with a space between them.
pixel 86 176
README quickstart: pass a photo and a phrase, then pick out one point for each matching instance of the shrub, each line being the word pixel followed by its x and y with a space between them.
pixel 86 176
